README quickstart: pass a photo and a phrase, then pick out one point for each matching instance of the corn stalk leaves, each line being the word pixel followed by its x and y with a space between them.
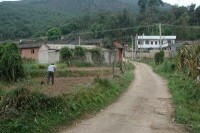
pixel 188 60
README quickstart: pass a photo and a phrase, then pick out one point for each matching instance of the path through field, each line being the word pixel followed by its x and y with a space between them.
pixel 145 108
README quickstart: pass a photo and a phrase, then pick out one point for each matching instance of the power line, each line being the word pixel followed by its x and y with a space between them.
pixel 103 31
pixel 119 29
pixel 196 27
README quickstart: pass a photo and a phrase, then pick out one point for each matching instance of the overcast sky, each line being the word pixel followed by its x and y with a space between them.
pixel 183 2
pixel 179 2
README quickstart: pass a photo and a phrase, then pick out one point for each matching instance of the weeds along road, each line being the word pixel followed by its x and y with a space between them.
pixel 145 108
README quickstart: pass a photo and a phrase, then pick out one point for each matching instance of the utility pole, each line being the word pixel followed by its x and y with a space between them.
pixel 140 48
pixel 132 46
pixel 142 44
pixel 136 37
pixel 79 40
pixel 160 30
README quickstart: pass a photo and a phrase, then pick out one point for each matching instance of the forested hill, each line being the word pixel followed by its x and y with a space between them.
pixel 22 19
pixel 77 7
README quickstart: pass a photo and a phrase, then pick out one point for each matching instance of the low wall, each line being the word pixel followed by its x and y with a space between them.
pixel 149 54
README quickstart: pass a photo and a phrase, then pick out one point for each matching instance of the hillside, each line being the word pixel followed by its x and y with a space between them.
pixel 23 19
pixel 77 7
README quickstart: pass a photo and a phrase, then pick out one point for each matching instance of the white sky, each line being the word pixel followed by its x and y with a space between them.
pixel 183 2
pixel 8 0
pixel 173 2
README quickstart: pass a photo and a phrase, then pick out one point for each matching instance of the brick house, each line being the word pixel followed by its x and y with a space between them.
pixel 29 51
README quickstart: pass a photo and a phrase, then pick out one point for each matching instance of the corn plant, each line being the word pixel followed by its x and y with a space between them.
pixel 188 60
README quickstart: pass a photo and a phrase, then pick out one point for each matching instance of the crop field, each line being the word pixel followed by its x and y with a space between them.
pixel 65 82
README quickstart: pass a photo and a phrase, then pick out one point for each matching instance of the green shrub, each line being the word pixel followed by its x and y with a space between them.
pixel 11 68
pixel 79 51
pixel 83 64
pixel 66 54
pixel 159 57
pixel 96 55
pixel 42 66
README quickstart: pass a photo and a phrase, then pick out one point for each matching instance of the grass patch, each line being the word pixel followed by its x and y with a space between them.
pixel 186 94
pixel 69 73
pixel 23 111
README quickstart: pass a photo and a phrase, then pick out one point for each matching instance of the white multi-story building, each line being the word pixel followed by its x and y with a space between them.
pixel 153 42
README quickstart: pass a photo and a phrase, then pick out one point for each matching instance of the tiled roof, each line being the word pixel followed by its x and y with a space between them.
pixel 87 42
pixel 26 46
pixel 60 46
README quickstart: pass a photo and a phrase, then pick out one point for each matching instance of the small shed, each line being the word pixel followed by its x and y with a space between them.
pixel 120 49
pixel 48 54
pixel 29 50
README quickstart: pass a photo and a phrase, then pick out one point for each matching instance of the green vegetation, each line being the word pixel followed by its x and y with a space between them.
pixel 97 20
pixel 23 111
pixel 66 54
pixel 68 73
pixel 54 34
pixel 159 57
pixel 185 91
pixel 189 60
pixel 96 55
pixel 79 51
pixel 11 68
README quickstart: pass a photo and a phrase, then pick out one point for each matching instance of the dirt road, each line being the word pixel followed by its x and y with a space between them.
pixel 145 108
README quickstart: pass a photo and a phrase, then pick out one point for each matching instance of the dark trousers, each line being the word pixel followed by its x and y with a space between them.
pixel 50 76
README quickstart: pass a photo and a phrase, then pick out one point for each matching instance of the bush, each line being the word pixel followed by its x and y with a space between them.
pixel 79 51
pixel 66 54
pixel 83 64
pixel 159 57
pixel 42 66
pixel 11 63
pixel 96 55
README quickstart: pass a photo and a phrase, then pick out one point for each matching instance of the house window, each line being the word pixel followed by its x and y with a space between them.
pixel 32 51
pixel 156 42
pixel 147 42
pixel 169 41
pixel 151 42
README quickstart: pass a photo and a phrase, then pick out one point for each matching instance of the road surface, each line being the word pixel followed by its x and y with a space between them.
pixel 145 108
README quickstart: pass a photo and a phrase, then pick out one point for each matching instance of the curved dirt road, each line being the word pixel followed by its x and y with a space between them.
pixel 145 108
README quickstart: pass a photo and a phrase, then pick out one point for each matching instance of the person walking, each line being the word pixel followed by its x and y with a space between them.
pixel 51 70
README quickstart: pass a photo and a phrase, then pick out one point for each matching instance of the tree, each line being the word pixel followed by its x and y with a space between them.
pixel 70 27
pixel 108 44
pixel 197 13
pixel 183 32
pixel 149 9
pixel 143 5
pixel 11 68
pixel 96 30
pixel 54 34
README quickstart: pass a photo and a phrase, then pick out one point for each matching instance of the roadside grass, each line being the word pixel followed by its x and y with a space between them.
pixel 186 94
pixel 24 111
